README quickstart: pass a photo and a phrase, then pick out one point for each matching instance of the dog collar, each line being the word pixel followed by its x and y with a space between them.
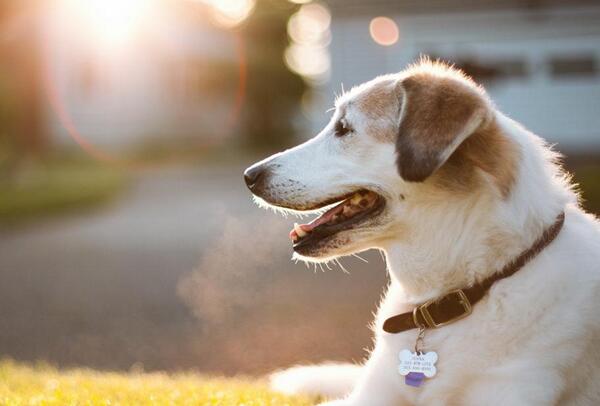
pixel 458 304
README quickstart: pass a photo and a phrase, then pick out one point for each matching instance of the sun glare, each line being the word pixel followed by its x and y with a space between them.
pixel 230 13
pixel 111 22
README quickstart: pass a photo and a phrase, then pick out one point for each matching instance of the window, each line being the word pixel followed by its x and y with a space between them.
pixel 573 66
pixel 489 71
pixel 493 70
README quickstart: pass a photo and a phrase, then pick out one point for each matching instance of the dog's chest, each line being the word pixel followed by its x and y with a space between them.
pixel 487 345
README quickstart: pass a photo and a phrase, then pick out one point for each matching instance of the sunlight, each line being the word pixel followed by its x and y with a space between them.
pixel 310 25
pixel 309 30
pixel 233 12
pixel 111 22
pixel 230 13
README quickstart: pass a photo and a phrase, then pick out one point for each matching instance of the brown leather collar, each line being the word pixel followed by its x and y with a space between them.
pixel 459 303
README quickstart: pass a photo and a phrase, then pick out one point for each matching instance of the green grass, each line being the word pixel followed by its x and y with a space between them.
pixel 588 178
pixel 55 187
pixel 47 386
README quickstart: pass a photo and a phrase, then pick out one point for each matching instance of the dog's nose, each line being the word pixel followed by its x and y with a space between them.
pixel 253 176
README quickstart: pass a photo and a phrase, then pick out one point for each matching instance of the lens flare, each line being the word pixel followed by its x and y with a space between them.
pixel 110 23
pixel 60 111
pixel 310 25
pixel 384 31
pixel 309 30
pixel 230 13
pixel 308 61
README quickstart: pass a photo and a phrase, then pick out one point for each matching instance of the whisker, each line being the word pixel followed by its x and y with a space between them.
pixel 361 258
pixel 341 266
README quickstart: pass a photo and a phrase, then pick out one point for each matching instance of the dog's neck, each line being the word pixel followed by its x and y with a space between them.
pixel 463 242
pixel 439 260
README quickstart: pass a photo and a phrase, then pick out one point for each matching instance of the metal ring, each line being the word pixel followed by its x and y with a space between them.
pixel 416 318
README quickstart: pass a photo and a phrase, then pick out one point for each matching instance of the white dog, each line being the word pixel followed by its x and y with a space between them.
pixel 422 166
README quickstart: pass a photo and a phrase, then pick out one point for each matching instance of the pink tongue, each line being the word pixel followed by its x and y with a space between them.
pixel 322 219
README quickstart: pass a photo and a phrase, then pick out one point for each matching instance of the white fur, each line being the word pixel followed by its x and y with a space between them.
pixel 328 380
pixel 534 339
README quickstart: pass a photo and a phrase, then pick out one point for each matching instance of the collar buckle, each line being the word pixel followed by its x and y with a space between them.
pixel 456 295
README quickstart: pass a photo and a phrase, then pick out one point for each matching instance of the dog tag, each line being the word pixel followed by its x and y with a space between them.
pixel 416 366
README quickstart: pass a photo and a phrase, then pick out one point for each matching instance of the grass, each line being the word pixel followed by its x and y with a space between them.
pixel 54 187
pixel 44 385
pixel 588 178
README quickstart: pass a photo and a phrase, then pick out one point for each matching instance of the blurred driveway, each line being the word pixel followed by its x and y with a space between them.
pixel 100 288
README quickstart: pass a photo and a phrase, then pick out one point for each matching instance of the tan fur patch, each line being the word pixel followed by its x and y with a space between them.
pixel 376 102
pixel 436 110
pixel 437 104
pixel 381 105
pixel 440 108
pixel 487 149
pixel 493 152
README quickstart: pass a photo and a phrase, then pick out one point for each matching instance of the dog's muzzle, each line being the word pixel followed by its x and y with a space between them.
pixel 256 178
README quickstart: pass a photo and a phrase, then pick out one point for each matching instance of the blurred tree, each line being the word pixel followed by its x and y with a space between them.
pixel 7 121
pixel 273 92
pixel 21 122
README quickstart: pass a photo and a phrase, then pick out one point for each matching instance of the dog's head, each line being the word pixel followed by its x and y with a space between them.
pixel 396 147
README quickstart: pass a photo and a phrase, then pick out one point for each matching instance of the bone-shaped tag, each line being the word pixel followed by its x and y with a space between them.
pixel 423 363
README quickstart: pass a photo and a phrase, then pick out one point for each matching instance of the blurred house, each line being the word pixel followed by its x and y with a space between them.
pixel 539 59
pixel 118 81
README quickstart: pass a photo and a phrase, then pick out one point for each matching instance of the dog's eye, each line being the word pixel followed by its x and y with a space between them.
pixel 341 128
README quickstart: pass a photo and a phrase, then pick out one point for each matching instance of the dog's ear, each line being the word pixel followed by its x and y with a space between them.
pixel 437 114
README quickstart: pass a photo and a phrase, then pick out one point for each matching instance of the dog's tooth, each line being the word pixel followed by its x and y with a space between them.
pixel 301 233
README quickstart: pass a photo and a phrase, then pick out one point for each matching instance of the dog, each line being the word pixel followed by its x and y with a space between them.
pixel 422 166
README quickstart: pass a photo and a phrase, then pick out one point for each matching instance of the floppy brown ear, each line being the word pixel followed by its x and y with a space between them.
pixel 437 115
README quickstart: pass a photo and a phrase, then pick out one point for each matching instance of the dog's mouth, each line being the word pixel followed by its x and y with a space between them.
pixel 350 211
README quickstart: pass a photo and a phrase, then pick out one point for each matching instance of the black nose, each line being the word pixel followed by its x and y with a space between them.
pixel 253 177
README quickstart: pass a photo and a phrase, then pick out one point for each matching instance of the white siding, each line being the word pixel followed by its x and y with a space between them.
pixel 565 110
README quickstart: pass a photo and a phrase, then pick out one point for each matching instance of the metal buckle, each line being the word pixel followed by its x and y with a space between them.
pixel 424 309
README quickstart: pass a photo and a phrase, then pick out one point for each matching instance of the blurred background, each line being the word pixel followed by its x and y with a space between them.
pixel 127 237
